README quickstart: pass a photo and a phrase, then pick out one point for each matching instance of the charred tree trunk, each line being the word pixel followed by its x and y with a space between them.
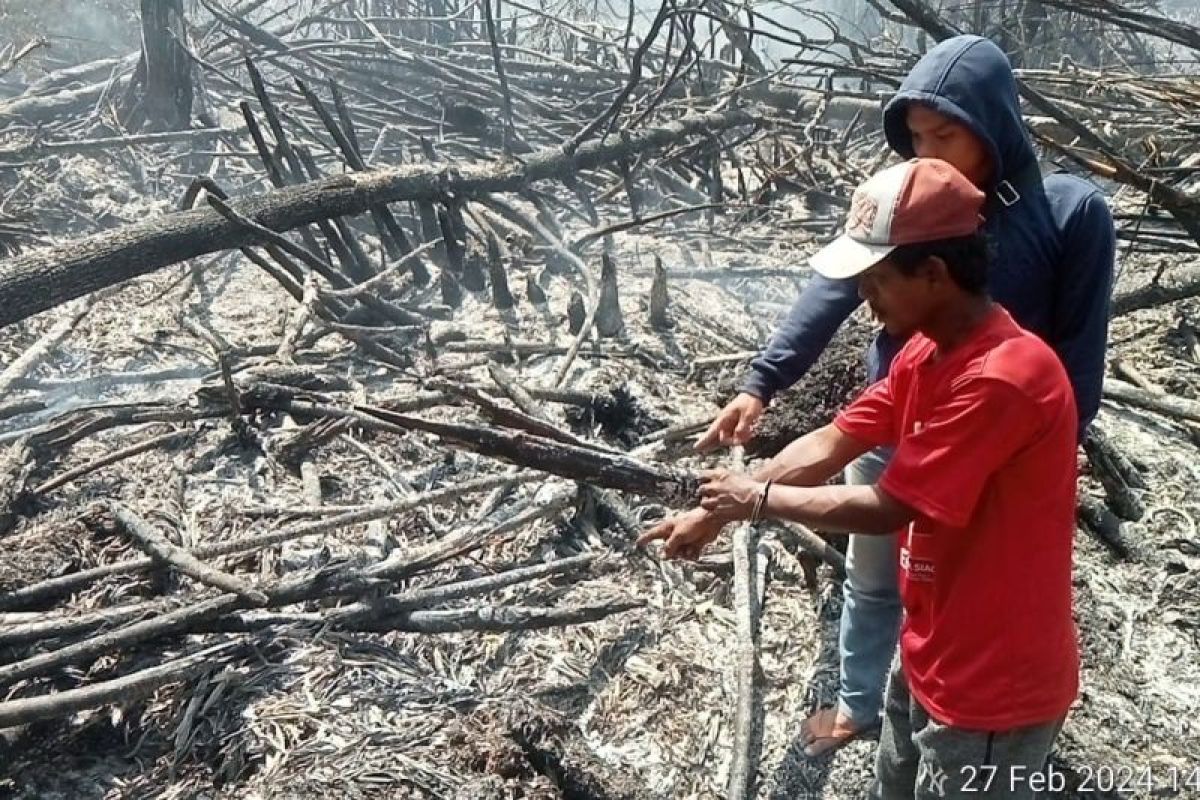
pixel 49 277
pixel 609 322
pixel 165 69
pixel 660 319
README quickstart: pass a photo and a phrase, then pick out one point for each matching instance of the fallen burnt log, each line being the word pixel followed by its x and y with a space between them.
pixel 1142 22
pixel 598 467
pixel 595 467
pixel 37 110
pixel 166 553
pixel 1121 480
pixel 12 156
pixel 424 621
pixel 15 469
pixel 1171 287
pixel 197 615
pixel 65 92
pixel 44 279
pixel 484 618
pixel 34 594
pixel 411 611
pixel 118 690
pixel 749 575
pixel 1179 408
pixel 189 613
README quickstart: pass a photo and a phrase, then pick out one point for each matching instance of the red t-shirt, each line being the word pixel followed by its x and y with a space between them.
pixel 985 453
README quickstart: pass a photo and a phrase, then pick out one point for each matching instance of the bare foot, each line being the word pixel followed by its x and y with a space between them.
pixel 827 730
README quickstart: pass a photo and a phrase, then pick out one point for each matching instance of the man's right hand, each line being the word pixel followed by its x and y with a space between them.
pixel 734 425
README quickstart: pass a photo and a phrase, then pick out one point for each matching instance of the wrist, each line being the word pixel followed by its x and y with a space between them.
pixel 760 510
pixel 757 383
pixel 759 403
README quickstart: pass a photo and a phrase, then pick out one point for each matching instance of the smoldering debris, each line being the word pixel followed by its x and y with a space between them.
pixel 349 345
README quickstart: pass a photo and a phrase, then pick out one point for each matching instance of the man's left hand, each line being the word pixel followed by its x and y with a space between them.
pixel 729 495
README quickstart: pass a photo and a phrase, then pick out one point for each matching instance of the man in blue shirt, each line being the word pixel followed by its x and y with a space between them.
pixel 1052 268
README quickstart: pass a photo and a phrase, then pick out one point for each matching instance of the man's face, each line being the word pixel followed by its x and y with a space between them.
pixel 900 302
pixel 935 135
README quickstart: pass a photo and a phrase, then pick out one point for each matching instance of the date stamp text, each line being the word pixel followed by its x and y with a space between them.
pixel 1107 780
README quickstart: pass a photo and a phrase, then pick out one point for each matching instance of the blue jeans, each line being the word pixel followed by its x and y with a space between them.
pixel 870 624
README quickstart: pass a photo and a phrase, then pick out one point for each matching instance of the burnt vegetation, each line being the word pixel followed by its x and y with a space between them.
pixel 347 346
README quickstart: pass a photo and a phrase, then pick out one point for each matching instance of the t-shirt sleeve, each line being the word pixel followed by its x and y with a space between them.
pixel 941 469
pixel 871 417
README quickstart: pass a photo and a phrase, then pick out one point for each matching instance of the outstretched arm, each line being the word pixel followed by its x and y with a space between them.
pixel 848 509
pixel 813 458
pixel 809 461
pixel 822 306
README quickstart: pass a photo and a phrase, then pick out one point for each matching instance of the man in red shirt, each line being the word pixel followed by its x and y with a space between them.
pixel 981 488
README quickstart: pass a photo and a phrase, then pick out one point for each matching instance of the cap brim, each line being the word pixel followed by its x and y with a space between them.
pixel 845 257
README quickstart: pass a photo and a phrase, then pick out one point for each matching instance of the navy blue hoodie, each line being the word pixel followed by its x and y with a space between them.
pixel 1052 239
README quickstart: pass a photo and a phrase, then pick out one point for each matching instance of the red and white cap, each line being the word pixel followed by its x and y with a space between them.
pixel 921 200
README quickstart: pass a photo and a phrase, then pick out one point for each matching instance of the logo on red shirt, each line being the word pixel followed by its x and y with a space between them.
pixel 917 569
pixel 914 554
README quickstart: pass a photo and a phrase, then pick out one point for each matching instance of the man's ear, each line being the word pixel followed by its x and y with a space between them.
pixel 936 270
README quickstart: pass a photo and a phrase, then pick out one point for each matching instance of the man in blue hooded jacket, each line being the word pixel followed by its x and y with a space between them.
pixel 1052 268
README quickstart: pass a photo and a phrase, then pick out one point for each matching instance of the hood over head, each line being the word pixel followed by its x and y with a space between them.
pixel 970 80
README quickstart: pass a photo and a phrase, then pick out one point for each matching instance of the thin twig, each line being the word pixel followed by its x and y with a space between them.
pixel 167 554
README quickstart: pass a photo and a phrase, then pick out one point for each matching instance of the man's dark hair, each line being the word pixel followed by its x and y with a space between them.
pixel 966 259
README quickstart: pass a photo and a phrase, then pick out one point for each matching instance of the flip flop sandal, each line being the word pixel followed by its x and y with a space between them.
pixel 820 746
